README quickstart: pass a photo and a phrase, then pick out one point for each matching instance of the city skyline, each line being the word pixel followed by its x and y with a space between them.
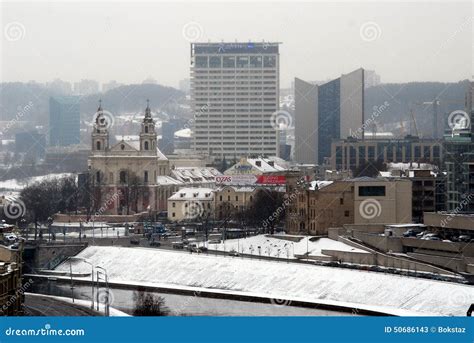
pixel 133 43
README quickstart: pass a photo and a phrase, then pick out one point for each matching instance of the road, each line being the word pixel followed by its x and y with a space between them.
pixel 36 305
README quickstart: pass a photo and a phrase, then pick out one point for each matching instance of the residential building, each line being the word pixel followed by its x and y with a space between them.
pixel 189 204
pixel 331 111
pixel 230 200
pixel 319 205
pixel 234 93
pixel 352 153
pixel 64 120
pixel 11 290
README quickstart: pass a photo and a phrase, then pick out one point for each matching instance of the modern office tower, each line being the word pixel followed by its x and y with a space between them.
pixel 459 158
pixel 235 92
pixel 64 120
pixel 332 111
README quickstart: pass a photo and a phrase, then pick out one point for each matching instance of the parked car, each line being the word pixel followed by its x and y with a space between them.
pixel 155 244
pixel 178 245
pixel 410 233
pixel 431 237
pixel 135 241
pixel 464 238
pixel 234 253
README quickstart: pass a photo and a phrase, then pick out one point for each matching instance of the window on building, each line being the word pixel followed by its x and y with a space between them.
pixel 146 128
pixel 269 61
pixel 97 177
pixel 236 198
pixel 173 204
pixel 98 145
pixel 201 61
pixel 215 62
pixel 173 214
pixel 346 213
pixel 146 145
pixel 123 176
pixel 341 201
pixel 371 191
pixel 229 62
pixel 145 176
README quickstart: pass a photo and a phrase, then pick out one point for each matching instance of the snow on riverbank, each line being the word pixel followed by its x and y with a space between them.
pixel 19 184
pixel 278 279
pixel 283 248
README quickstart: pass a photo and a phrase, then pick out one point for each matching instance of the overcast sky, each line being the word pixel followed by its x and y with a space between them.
pixel 131 41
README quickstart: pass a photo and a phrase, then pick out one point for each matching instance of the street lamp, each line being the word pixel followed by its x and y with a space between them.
pixel 106 278
pixel 92 274
pixel 50 222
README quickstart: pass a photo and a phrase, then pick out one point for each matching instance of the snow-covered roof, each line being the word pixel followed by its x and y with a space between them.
pixel 193 194
pixel 264 165
pixel 184 133
pixel 319 184
pixel 195 174
pixel 167 180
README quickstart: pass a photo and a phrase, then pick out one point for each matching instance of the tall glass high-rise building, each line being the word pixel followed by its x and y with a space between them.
pixel 64 120
pixel 234 92
pixel 331 111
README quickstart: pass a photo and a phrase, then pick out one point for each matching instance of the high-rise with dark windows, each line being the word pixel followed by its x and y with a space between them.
pixel 331 111
pixel 64 120
pixel 234 92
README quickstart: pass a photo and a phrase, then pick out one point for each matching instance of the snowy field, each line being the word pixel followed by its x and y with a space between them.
pixel 279 280
pixel 282 248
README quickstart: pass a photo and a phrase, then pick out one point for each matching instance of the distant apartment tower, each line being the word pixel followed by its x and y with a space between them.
pixel 371 78
pixel 234 92
pixel 64 120
pixel 332 111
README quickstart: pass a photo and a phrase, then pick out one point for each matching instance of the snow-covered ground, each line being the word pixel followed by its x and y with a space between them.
pixel 279 280
pixel 19 184
pixel 113 312
pixel 282 248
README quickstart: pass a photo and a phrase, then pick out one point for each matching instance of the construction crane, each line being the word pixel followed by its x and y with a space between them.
pixel 412 114
pixel 437 123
